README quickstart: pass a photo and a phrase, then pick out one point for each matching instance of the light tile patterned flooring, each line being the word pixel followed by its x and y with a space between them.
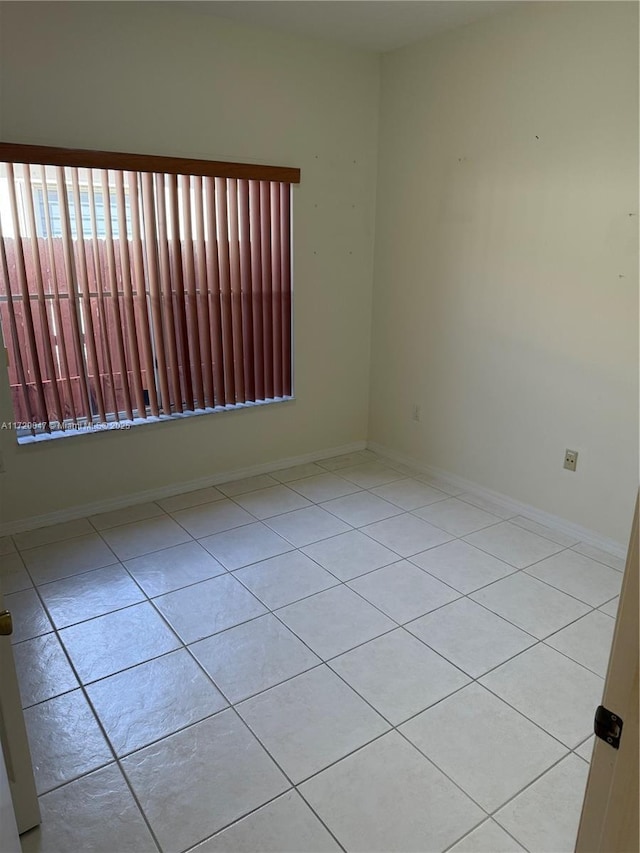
pixel 338 656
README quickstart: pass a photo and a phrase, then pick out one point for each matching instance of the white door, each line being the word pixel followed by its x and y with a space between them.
pixel 16 763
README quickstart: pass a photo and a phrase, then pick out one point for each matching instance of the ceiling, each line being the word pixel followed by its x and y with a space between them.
pixel 379 25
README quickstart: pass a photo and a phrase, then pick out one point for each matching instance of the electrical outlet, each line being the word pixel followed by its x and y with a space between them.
pixel 415 412
pixel 570 459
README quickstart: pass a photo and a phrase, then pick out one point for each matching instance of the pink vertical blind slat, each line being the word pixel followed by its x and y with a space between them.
pixel 191 297
pixel 215 304
pixel 99 304
pixel 181 305
pixel 114 305
pixel 167 296
pixel 285 272
pixel 95 385
pixel 267 287
pixel 245 284
pixel 142 292
pixel 203 293
pixel 224 267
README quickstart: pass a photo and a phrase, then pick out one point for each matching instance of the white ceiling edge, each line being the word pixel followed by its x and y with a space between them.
pixel 376 25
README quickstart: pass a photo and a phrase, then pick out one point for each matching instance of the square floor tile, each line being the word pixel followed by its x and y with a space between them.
pixel 137 512
pixel 208 607
pixel 361 508
pixel 186 500
pixel 334 621
pixel 513 544
pixel 90 594
pixel 611 560
pixel 29 617
pixel 406 534
pixel 80 816
pixel 398 675
pixel 462 566
pixel 553 691
pixel 456 517
pixel 252 657
pixel 65 740
pixel 53 533
pixel 489 837
pixel 579 576
pixel 494 507
pixel 6 545
pixel 173 568
pixel 439 483
pixel 297 472
pixel 493 751
pixel 69 557
pixel 205 519
pixel 142 537
pixel 311 721
pixel 370 474
pixel 611 607
pixel 403 591
pixel 536 607
pixel 199 780
pixel 347 460
pixel 407 470
pixel 350 554
pixel 387 796
pixel 247 484
pixel 273 501
pixel 542 530
pixel 587 641
pixel 43 669
pixel 286 825
pixel 153 700
pixel 285 578
pixel 470 636
pixel 409 494
pixel 13 575
pixel 558 795
pixel 117 641
pixel 324 487
pixel 246 545
pixel 585 750
pixel 305 526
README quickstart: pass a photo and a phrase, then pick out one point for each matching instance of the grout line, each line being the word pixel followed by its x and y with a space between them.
pixel 488 819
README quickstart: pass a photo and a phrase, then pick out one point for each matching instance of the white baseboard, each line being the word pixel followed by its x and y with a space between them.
pixel 584 534
pixel 123 501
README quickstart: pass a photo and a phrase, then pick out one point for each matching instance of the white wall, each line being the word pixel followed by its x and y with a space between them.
pixel 505 296
pixel 171 79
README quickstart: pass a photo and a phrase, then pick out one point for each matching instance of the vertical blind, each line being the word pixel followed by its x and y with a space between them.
pixel 149 291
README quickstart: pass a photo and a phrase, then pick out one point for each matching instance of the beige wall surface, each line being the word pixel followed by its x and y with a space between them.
pixel 171 79
pixel 506 264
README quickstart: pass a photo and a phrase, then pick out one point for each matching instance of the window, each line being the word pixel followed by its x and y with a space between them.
pixel 136 288
pixel 51 215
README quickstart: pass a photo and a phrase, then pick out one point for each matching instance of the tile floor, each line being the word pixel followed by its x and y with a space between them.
pixel 344 655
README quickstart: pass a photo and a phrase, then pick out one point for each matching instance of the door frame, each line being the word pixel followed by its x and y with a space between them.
pixel 609 820
pixel 14 741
